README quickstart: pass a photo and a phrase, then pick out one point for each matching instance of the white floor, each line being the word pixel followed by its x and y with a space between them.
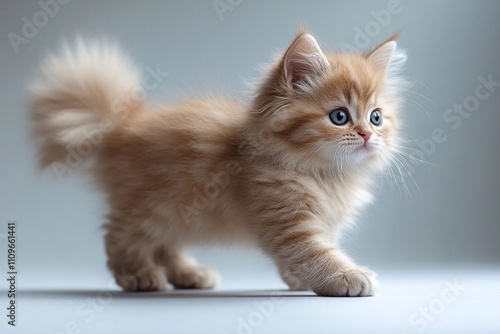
pixel 422 301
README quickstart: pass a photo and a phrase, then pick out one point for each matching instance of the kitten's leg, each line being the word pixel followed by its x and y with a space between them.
pixel 132 264
pixel 184 273
pixel 318 264
pixel 294 283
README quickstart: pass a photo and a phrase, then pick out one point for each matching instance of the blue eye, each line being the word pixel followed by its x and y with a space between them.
pixel 376 117
pixel 339 116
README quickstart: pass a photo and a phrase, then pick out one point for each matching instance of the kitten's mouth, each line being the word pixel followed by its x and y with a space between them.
pixel 366 147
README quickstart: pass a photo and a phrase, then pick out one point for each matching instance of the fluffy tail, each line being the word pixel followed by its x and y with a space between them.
pixel 79 96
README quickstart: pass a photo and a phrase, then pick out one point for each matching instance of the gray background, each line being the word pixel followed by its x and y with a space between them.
pixel 452 220
pixel 417 240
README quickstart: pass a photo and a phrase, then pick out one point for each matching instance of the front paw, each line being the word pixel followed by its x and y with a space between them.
pixel 349 282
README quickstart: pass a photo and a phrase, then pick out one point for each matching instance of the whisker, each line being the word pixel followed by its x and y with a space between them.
pixel 416 159
pixel 425 97
pixel 406 169
pixel 322 146
pixel 420 106
pixel 412 140
pixel 397 164
pixel 405 186
pixel 395 180
pixel 420 82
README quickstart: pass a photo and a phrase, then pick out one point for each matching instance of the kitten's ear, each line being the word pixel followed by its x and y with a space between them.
pixel 381 56
pixel 304 62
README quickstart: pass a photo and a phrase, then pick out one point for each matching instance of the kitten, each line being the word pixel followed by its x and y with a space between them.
pixel 282 173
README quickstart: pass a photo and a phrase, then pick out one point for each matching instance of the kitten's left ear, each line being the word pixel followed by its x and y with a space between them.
pixel 304 63
pixel 381 56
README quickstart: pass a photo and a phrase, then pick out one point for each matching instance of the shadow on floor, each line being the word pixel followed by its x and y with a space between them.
pixel 169 294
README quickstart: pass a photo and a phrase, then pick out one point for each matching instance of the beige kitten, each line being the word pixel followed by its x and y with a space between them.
pixel 283 173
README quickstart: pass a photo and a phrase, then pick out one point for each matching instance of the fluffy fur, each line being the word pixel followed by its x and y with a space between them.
pixel 276 173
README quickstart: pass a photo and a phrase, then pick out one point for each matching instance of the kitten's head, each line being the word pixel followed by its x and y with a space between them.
pixel 337 111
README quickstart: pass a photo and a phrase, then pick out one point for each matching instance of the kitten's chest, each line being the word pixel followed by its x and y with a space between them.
pixel 339 201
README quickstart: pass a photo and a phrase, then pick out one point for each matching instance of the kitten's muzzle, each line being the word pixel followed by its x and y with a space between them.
pixel 365 135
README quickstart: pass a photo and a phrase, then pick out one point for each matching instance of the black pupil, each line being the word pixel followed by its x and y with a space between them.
pixel 376 117
pixel 340 116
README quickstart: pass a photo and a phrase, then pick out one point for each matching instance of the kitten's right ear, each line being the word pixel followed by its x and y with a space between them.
pixel 304 63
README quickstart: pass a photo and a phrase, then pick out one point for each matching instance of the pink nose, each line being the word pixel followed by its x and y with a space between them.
pixel 365 134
